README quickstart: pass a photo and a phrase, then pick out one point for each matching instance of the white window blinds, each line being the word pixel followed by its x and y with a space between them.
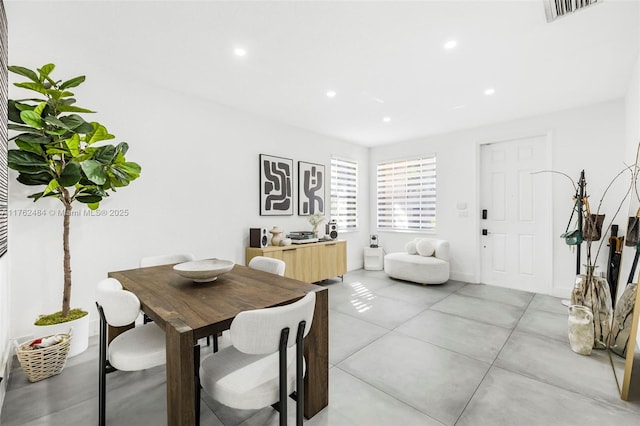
pixel 344 193
pixel 407 194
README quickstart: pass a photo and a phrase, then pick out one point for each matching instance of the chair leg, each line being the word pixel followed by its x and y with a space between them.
pixel 284 338
pixel 300 373
pixel 196 368
pixel 102 369
pixel 215 342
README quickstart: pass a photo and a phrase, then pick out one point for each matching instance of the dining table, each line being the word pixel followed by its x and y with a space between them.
pixel 188 311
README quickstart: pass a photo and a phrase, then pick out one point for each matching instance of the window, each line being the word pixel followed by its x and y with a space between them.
pixel 344 193
pixel 407 195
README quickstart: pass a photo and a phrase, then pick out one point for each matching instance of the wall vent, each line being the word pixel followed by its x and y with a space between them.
pixel 558 8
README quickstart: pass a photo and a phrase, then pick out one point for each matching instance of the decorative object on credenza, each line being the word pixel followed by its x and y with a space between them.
pixel 276 183
pixel 285 242
pixel 315 220
pixel 258 237
pixel 302 237
pixel 276 236
pixel 580 329
pixel 332 229
pixel 622 320
pixel 310 189
pixel 373 241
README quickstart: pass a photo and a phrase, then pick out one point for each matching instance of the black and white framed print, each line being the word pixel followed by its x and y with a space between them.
pixel 276 183
pixel 310 188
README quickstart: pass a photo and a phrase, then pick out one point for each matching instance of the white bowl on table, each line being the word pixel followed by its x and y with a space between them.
pixel 202 271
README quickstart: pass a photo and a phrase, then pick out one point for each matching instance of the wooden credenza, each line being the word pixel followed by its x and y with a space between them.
pixel 311 262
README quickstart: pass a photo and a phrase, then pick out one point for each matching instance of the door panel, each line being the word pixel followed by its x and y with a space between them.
pixel 516 252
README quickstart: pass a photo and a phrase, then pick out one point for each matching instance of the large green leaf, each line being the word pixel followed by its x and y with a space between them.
pixel 28 169
pixel 59 151
pixel 14 111
pixel 94 171
pixel 35 196
pixel 23 158
pixel 33 147
pixel 31 118
pixel 26 72
pixel 73 108
pixel 45 70
pixel 36 87
pixel 71 175
pixel 58 94
pixel 33 138
pixel 52 186
pixel 76 81
pixel 58 132
pixel 73 121
pixel 98 134
pixel 21 128
pixel 73 143
pixel 84 128
pixel 131 169
pixel 89 199
pixel 105 154
pixel 40 108
pixel 34 179
pixel 55 121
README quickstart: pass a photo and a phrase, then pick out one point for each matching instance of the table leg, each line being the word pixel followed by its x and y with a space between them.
pixel 316 352
pixel 180 377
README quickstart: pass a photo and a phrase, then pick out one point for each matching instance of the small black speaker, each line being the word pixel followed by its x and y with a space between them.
pixel 332 230
pixel 258 237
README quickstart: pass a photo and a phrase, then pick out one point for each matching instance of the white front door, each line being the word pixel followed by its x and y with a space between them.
pixel 516 250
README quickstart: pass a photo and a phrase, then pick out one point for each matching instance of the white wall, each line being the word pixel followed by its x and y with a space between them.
pixel 590 138
pixel 198 192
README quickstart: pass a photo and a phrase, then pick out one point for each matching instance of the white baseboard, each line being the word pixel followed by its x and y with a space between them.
pixel 563 292
pixel 463 276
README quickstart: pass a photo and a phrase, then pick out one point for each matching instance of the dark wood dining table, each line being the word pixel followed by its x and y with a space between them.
pixel 188 311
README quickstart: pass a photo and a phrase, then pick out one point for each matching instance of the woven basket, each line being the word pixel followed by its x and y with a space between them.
pixel 39 364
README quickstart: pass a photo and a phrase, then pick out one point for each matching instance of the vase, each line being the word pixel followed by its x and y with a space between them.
pixel 276 236
pixel 622 321
pixel 581 334
pixel 593 292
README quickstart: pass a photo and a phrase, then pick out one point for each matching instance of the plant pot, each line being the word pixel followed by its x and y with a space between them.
pixel 80 340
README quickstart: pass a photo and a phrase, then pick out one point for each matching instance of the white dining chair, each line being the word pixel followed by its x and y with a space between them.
pixel 257 369
pixel 139 348
pixel 268 264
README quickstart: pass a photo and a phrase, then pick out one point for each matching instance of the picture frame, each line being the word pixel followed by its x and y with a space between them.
pixel 276 186
pixel 311 188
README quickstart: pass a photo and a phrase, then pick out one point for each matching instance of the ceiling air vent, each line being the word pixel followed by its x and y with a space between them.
pixel 558 8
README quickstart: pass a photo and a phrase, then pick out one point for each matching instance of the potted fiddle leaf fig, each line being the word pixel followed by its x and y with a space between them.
pixel 65 156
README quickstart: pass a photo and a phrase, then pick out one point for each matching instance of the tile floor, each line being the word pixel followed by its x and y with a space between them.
pixel 400 354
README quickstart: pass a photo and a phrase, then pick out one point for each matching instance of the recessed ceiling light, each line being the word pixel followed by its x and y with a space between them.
pixel 386 119
pixel 331 94
pixel 239 51
pixel 490 91
pixel 450 44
